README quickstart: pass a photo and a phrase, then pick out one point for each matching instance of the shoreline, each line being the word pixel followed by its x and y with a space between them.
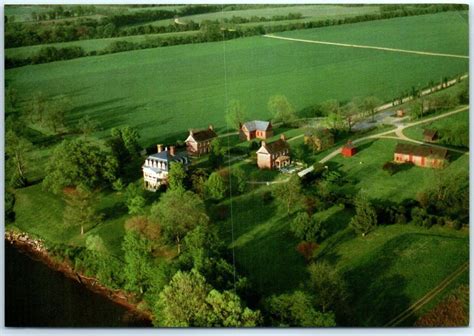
pixel 35 250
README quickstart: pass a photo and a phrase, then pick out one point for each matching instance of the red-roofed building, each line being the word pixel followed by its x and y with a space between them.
pixel 348 150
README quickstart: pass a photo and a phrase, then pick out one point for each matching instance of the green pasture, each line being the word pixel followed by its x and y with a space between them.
pixel 443 32
pixel 365 171
pixel 393 267
pixel 416 132
pixel 89 45
pixel 165 91
pixel 309 12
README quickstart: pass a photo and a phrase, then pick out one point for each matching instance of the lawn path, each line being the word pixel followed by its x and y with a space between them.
pixel 425 53
pixel 427 297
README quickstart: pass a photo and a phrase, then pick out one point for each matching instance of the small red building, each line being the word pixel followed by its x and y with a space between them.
pixel 348 150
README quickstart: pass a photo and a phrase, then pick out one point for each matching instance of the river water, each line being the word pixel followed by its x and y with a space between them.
pixel 36 296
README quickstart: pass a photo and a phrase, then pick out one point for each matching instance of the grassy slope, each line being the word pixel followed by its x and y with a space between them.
pixel 167 88
pixel 416 132
pixel 431 33
pixel 388 270
pixel 87 45
pixel 376 183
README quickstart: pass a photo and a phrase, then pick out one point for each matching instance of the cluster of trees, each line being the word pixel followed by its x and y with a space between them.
pixel 60 12
pixel 315 304
pixel 445 202
pixel 422 106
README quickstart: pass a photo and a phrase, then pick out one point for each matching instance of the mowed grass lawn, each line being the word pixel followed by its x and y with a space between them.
pixel 365 170
pixel 41 213
pixel 416 132
pixel 393 267
pixel 165 91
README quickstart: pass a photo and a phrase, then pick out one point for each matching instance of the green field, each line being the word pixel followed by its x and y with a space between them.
pixel 309 12
pixel 432 33
pixel 365 170
pixel 163 91
pixel 416 132
pixel 387 270
pixel 88 45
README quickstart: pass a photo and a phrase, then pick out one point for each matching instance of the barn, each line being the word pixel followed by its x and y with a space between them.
pixel 421 155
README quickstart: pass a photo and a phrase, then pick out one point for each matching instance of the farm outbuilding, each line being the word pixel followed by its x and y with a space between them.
pixel 348 150
pixel 430 135
pixel 421 155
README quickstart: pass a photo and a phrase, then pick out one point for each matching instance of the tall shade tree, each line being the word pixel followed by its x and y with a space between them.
pixel 297 310
pixel 16 149
pixel 350 111
pixel 216 187
pixel 288 195
pixel 79 163
pixel 189 301
pixel 369 104
pixel 37 106
pixel 307 228
pixel 235 114
pixel 178 212
pixel 80 208
pixel 327 286
pixel 176 176
pixel 330 106
pixel 55 111
pixel 365 219
pixel 281 109
pixel 138 261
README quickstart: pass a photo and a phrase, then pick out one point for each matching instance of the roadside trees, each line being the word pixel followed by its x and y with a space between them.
pixel 369 104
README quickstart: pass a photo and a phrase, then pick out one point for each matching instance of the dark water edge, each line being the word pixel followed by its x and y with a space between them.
pixel 37 296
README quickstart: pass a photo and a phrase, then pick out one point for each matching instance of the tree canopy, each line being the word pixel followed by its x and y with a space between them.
pixel 178 212
pixel 189 301
pixel 79 163
pixel 281 109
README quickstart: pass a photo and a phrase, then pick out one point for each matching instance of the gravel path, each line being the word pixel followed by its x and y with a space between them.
pixel 425 53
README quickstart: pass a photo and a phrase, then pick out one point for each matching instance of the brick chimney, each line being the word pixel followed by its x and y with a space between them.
pixel 159 148
pixel 191 132
pixel 172 150
pixel 211 127
pixel 283 137
pixel 240 125
pixel 263 143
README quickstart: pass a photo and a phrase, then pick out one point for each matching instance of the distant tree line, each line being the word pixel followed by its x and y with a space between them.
pixel 19 34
